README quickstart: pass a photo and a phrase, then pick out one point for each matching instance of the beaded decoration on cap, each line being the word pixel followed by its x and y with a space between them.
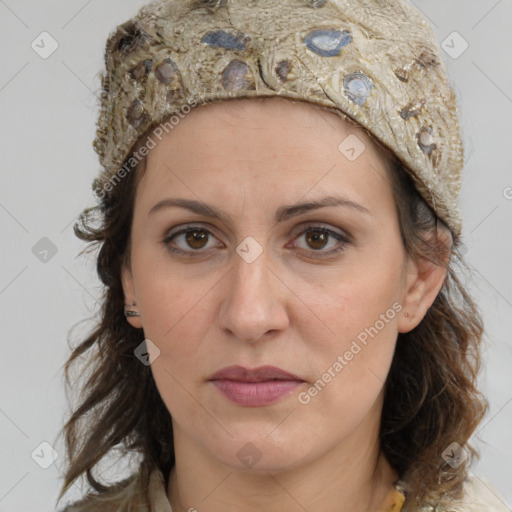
pixel 372 61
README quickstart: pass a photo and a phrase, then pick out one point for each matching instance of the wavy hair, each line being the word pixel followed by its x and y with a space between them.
pixel 431 398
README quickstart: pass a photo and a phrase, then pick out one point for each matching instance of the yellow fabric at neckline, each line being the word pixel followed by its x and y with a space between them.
pixel 393 502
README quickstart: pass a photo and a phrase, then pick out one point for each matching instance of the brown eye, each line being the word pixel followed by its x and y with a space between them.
pixel 191 241
pixel 321 241
pixel 317 239
pixel 196 239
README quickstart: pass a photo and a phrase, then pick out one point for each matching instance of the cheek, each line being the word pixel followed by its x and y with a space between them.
pixel 351 365
pixel 352 336
pixel 177 394
pixel 347 303
pixel 178 323
pixel 173 305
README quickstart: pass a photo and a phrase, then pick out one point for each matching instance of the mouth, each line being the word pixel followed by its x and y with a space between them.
pixel 257 387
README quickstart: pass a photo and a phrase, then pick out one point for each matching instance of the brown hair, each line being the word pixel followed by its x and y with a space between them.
pixel 430 394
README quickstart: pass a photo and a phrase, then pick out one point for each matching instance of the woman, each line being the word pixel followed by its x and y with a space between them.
pixel 282 326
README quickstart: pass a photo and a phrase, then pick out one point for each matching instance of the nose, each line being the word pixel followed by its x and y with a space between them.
pixel 254 300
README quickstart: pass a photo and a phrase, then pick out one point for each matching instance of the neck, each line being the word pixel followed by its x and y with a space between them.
pixel 352 476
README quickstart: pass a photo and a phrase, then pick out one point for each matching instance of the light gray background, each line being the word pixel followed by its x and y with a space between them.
pixel 48 113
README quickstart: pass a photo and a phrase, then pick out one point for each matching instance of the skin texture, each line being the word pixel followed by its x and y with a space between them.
pixel 290 307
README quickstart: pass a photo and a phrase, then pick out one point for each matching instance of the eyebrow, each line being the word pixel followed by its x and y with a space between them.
pixel 282 214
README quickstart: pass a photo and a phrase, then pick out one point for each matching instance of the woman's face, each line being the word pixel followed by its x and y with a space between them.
pixel 285 252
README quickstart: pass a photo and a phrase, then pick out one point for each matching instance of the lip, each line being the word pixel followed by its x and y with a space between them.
pixel 254 387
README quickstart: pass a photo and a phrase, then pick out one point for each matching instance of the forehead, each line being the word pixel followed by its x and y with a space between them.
pixel 291 147
pixel 273 122
pixel 277 112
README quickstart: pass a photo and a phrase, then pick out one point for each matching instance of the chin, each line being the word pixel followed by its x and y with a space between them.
pixel 253 449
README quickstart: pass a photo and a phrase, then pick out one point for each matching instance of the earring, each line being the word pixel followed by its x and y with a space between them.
pixel 406 314
pixel 130 312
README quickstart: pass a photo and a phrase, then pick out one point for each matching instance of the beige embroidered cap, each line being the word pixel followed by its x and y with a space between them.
pixel 374 61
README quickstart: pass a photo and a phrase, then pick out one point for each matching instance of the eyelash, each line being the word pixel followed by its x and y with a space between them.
pixel 344 240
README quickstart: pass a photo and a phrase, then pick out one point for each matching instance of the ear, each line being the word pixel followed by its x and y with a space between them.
pixel 129 295
pixel 424 279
